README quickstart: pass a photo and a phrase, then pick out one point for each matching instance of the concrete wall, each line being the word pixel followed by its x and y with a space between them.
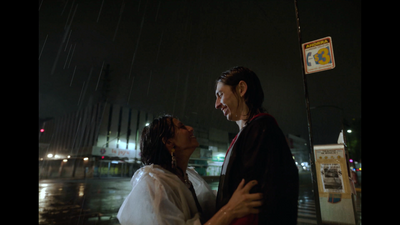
pixel 60 169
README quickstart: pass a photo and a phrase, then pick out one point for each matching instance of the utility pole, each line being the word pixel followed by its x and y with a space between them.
pixel 311 146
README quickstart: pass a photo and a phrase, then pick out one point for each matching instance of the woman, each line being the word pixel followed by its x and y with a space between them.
pixel 259 151
pixel 165 191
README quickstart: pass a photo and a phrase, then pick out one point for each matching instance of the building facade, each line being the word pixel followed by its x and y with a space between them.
pixel 300 152
pixel 102 140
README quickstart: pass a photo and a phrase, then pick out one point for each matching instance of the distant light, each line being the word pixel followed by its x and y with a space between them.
pixel 57 156
pixel 102 157
pixel 359 169
pixel 147 124
pixel 115 162
pixel 350 160
pixel 42 130
pixel 349 131
pixel 86 159
pixel 68 156
pixel 65 160
pixel 49 155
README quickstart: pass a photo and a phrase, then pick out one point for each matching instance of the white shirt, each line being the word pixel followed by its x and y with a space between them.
pixel 160 197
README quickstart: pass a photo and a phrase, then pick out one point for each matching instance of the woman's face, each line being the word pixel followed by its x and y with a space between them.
pixel 184 140
pixel 227 102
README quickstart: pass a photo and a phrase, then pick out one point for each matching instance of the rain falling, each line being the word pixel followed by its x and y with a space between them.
pixel 107 68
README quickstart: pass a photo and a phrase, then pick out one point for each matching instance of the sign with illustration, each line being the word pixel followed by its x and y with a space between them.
pixel 332 179
pixel 331 164
pixel 334 187
pixel 318 55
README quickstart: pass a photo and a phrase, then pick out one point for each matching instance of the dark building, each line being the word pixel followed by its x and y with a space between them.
pixel 102 140
pixel 99 140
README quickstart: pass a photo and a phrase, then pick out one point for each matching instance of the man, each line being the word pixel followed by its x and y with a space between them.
pixel 258 152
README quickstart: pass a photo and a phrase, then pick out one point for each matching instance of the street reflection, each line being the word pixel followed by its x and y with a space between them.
pixel 42 192
pixel 81 202
pixel 94 200
pixel 81 190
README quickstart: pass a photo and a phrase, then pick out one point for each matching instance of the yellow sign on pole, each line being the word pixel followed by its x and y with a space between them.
pixel 334 186
pixel 318 55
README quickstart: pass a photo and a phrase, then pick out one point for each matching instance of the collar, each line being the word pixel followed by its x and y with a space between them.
pixel 260 114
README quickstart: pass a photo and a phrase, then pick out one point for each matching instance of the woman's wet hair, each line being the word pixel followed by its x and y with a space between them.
pixel 254 96
pixel 152 146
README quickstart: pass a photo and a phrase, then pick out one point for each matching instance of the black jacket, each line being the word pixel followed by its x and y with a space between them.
pixel 261 153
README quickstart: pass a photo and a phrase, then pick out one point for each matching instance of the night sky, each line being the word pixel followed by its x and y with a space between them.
pixel 168 54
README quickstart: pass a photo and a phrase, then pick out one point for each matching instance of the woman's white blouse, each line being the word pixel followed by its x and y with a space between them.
pixel 160 197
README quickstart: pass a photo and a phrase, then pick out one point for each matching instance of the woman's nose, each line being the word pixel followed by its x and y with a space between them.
pixel 190 129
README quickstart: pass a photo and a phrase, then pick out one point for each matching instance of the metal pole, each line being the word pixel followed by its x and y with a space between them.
pixel 311 148
pixel 348 167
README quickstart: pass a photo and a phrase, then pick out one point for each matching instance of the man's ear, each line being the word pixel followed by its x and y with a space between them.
pixel 168 144
pixel 242 86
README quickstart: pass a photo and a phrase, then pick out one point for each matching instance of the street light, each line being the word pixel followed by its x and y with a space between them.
pixel 49 155
pixel 349 131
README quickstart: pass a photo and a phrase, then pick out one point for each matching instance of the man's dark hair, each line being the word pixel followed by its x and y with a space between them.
pixel 254 95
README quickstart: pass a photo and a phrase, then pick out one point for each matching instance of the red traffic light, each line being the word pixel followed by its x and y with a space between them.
pixel 42 130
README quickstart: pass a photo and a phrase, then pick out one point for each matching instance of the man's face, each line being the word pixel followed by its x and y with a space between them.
pixel 227 102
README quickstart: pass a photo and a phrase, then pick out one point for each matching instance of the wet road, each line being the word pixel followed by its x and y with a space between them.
pixel 96 201
pixel 91 201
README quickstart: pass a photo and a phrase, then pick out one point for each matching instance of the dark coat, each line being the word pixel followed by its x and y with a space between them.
pixel 261 153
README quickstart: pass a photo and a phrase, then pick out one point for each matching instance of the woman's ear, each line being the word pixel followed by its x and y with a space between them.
pixel 242 86
pixel 168 144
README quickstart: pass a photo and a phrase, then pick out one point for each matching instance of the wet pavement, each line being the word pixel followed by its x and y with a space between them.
pixel 91 201
pixel 96 201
